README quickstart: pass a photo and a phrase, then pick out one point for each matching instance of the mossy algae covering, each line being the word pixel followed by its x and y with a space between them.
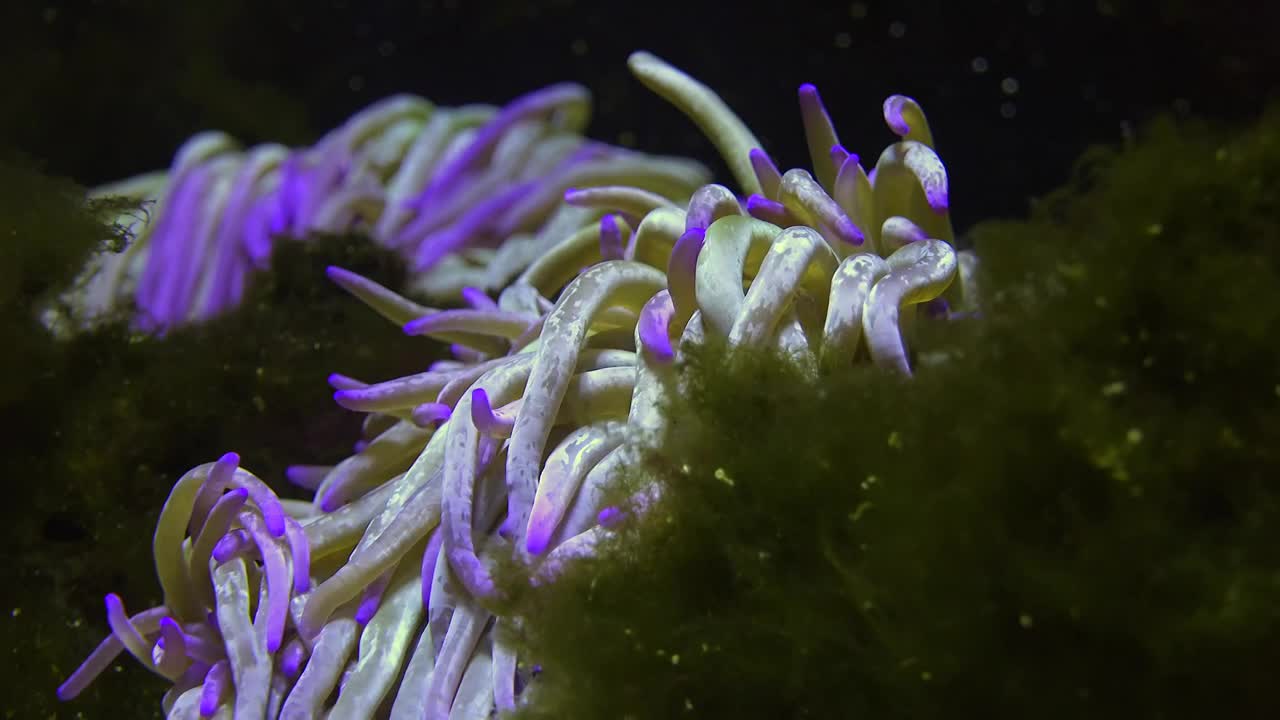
pixel 102 425
pixel 1072 510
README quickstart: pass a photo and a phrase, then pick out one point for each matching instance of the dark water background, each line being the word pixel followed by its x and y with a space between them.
pixel 109 88
pixel 1015 91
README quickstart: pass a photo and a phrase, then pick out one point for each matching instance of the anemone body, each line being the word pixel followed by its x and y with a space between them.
pixel 383 589
pixel 467 195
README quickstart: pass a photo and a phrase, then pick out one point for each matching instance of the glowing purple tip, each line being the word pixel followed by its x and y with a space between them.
pixel 482 413
pixel 292 659
pixel 338 275
pixel 536 544
pixel 414 327
pixel 849 232
pixel 771 211
pixel 216 683
pixel 610 517
pixel 307 477
pixel 893 114
pixel 428 414
pixel 338 381
pixel 332 499
pixel 115 606
pixel 368 607
pixel 939 200
pixel 654 335
pixel 811 107
pixel 840 155
pixel 371 600
pixel 227 547
pixel 171 644
pixel 766 172
pixel 300 550
pixel 759 157
pixel 610 238
pixel 477 298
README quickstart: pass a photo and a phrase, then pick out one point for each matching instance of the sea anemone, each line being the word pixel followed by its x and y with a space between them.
pixel 507 452
pixel 467 195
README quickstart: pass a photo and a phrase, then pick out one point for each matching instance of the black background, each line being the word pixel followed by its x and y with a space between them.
pixel 105 89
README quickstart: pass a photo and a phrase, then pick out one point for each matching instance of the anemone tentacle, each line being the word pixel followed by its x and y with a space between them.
pixel 572 338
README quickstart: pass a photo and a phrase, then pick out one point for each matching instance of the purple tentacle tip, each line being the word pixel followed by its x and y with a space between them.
pixel 414 327
pixel 756 202
pixel 611 247
pixel 772 211
pixel 480 402
pixel 654 334
pixel 850 232
pixel 368 608
pixel 226 548
pixel 331 500
pixel 338 381
pixel 811 104
pixel 609 517
pixel 215 686
pixel 300 549
pixel 939 199
pixel 893 106
pixel 482 412
pixel 536 545
pixel 114 603
pixel 428 414
pixel 291 661
pixel 477 298
pixel 300 476
pixel 371 599
pixel 840 155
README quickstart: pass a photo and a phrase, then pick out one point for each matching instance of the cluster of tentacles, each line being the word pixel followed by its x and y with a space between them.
pixel 371 601
pixel 442 186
